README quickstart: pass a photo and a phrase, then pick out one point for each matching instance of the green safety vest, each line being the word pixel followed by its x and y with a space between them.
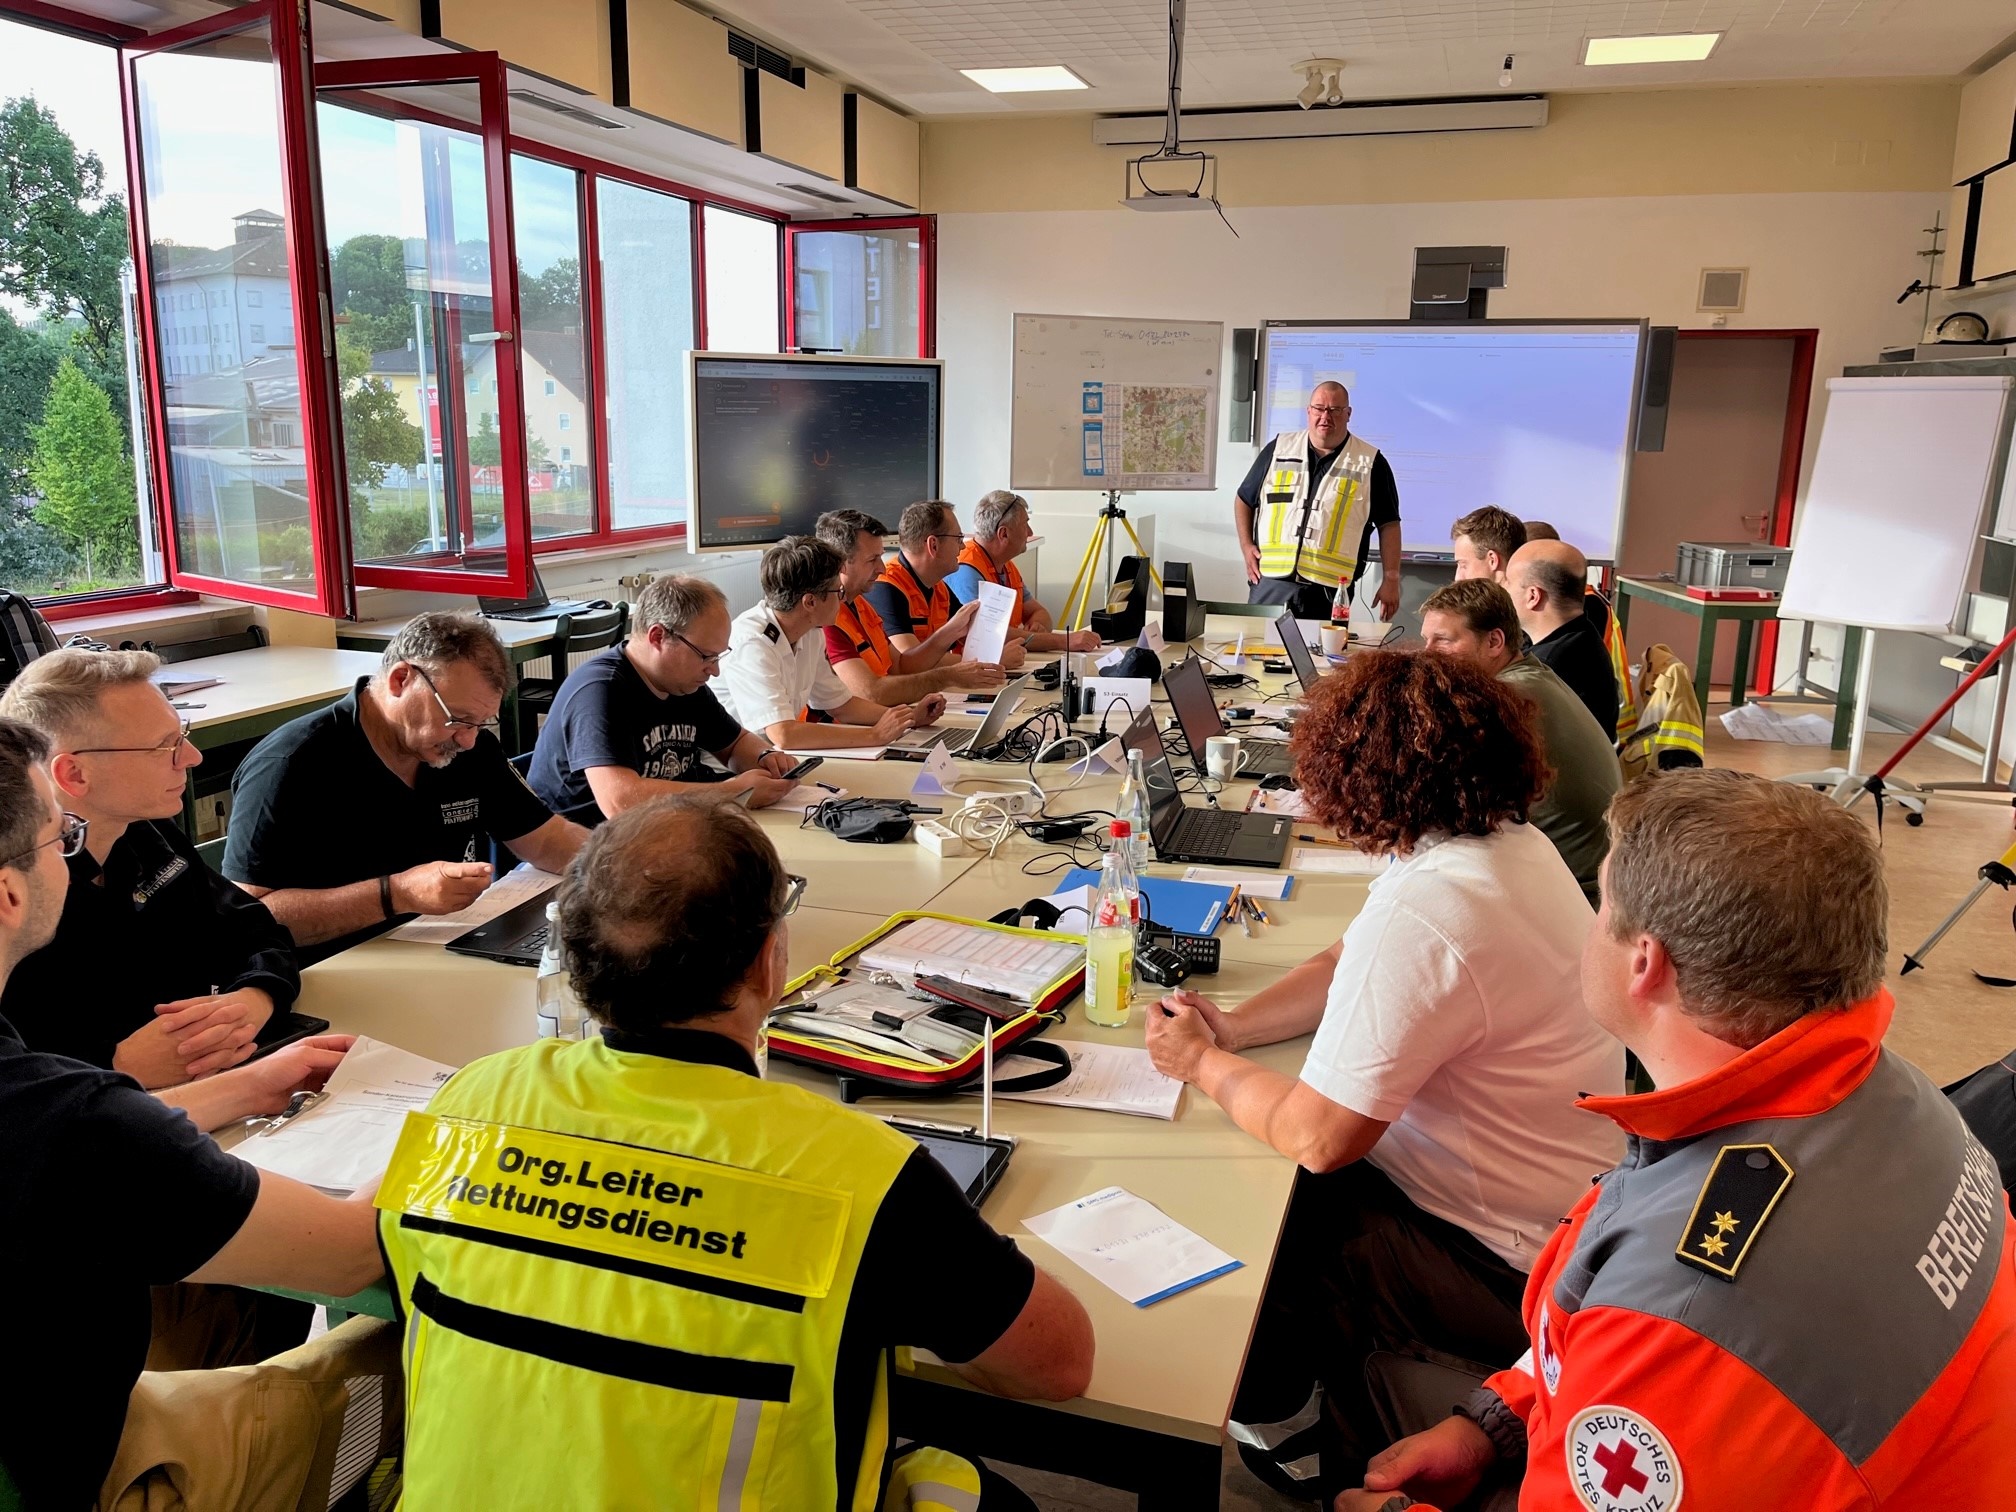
pixel 1314 539
pixel 625 1278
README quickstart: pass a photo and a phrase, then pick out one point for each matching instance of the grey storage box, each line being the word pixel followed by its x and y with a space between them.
pixel 1732 564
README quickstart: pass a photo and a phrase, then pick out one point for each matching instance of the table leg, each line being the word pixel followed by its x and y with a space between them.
pixel 1844 694
pixel 1621 607
pixel 1739 686
pixel 1704 658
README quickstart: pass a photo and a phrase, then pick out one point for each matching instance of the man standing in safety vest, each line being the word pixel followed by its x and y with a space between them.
pixel 636 1274
pixel 1000 534
pixel 1304 515
pixel 1795 1290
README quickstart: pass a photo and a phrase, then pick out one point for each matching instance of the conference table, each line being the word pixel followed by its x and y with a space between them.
pixel 259 690
pixel 1162 1385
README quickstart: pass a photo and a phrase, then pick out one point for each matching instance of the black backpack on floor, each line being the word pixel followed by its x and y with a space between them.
pixel 24 635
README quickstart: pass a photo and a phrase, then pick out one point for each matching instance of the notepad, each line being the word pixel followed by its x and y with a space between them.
pixel 1105 1078
pixel 1019 966
pixel 1130 1246
pixel 347 1139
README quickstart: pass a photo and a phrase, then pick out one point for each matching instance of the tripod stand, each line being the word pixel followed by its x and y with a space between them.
pixel 1102 535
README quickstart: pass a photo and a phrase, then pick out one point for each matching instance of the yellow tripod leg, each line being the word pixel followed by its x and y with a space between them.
pixel 1141 551
pixel 1084 580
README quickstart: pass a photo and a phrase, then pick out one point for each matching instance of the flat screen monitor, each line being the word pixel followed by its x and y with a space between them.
pixel 1536 417
pixel 776 441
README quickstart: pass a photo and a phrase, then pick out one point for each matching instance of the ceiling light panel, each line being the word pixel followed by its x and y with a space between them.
pixel 1675 47
pixel 1024 80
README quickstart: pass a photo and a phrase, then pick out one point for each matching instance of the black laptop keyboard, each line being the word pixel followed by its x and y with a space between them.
pixel 1208 832
pixel 533 943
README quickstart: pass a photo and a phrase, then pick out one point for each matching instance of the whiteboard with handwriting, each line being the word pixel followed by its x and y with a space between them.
pixel 1115 402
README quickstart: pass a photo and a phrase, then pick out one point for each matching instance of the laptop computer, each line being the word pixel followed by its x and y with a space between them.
pixel 1300 657
pixel 960 742
pixel 515 937
pixel 1197 714
pixel 1182 833
pixel 535 606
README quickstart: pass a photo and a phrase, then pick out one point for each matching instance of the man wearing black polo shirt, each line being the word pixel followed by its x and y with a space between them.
pixel 383 804
pixel 633 723
pixel 185 970
pixel 1549 583
pixel 107 1191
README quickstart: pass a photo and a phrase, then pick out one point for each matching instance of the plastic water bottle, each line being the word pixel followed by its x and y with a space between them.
pixel 559 1010
pixel 1109 943
pixel 1132 809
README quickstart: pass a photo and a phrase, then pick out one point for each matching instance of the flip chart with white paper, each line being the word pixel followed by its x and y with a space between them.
pixel 1888 534
pixel 1111 402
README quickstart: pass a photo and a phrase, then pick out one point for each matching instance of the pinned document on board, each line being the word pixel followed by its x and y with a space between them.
pixel 1130 1246
pixel 987 636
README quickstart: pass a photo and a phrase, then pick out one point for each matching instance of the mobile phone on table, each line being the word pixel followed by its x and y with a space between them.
pixel 803 767
pixel 980 697
pixel 284 1029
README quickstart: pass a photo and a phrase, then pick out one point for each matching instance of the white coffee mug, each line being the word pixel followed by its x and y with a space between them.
pixel 1224 757
pixel 1335 639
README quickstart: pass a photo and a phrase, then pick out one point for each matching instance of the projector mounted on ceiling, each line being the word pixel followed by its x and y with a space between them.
pixel 1170 192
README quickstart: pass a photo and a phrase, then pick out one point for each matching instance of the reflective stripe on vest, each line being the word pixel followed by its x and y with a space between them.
pixel 1315 538
pixel 1620 668
pixel 932 1480
pixel 625 1280
pixel 864 630
pixel 974 555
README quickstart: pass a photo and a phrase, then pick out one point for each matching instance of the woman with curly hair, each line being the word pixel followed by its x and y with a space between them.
pixel 1434 1119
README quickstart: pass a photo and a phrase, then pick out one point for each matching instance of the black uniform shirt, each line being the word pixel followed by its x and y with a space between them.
pixel 160 926
pixel 1577 654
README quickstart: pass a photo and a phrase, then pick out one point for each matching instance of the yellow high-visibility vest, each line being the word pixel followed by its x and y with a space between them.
pixel 625 1279
pixel 1314 538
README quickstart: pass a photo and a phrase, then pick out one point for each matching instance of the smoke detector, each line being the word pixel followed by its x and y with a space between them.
pixel 1319 82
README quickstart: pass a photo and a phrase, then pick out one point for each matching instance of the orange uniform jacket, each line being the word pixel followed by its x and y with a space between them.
pixel 974 555
pixel 1841 1333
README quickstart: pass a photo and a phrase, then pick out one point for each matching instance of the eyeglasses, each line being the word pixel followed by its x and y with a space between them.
pixel 166 748
pixel 711 658
pixel 794 891
pixel 948 535
pixel 70 837
pixel 455 722
pixel 1328 409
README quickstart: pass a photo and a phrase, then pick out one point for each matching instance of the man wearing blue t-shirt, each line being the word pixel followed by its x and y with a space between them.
pixel 637 721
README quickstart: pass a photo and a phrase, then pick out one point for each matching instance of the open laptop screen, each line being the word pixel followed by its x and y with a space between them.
pixel 1196 710
pixel 536 599
pixel 1300 657
pixel 1165 806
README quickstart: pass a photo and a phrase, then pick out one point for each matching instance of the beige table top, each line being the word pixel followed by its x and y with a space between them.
pixel 1170 1368
pixel 267 680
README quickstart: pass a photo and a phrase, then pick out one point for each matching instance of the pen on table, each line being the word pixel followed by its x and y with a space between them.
pixel 1231 906
pixel 1260 914
pixel 1246 916
pixel 827 786
pixel 1318 840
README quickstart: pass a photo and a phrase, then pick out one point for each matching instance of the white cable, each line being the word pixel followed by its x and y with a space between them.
pixel 982 824
pixel 1043 755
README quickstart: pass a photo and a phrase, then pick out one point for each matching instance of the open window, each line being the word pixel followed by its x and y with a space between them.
pixel 243 429
pixel 416 202
pixel 863 288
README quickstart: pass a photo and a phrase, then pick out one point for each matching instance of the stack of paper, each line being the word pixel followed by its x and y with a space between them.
pixel 1018 965
pixel 1131 1246
pixel 1106 1078
pixel 523 881
pixel 346 1139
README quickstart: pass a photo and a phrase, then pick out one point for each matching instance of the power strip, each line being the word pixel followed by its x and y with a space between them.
pixel 1015 804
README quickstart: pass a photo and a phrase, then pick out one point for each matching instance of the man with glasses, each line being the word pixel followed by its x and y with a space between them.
pixel 777 679
pixel 385 803
pixel 908 611
pixel 737 1344
pixel 637 721
pixel 107 1191
pixel 1305 514
pixel 185 970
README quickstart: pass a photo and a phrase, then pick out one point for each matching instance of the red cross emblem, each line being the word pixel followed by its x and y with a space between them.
pixel 1620 1472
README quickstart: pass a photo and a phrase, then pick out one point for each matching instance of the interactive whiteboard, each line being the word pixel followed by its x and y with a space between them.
pixel 1888 533
pixel 1115 403
pixel 1537 417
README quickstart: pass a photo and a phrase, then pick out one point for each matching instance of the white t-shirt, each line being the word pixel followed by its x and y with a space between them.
pixel 1456 1016
pixel 766 680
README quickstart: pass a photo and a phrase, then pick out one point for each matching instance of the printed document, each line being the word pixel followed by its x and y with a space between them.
pixel 1347 863
pixel 1106 1078
pixel 523 881
pixel 987 637
pixel 1130 1246
pixel 1018 965
pixel 346 1139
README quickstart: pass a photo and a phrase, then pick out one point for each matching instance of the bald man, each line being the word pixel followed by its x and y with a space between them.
pixel 1304 515
pixel 1548 581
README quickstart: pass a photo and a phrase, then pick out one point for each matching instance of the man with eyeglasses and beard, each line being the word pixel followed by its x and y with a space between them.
pixel 185 970
pixel 383 804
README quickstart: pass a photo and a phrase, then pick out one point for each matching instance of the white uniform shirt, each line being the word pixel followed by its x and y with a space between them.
pixel 766 680
pixel 1455 1016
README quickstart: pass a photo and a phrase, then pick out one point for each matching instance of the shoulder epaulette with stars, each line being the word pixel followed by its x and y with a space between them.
pixel 1742 1188
pixel 771 630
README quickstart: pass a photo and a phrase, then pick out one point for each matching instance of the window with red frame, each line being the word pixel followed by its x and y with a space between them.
pixel 863 288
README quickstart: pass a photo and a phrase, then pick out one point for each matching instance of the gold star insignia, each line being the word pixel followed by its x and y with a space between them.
pixel 1713 1244
pixel 1725 1222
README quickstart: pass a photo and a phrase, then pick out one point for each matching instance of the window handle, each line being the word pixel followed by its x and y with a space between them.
pixel 488 336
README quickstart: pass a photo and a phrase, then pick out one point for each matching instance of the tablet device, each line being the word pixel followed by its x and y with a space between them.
pixel 975 1163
